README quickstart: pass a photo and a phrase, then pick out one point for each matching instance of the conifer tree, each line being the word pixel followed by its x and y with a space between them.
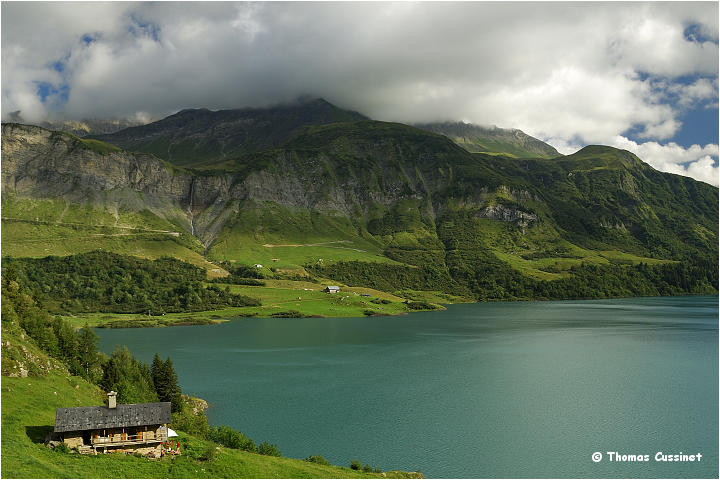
pixel 166 382
pixel 173 389
pixel 157 373
pixel 87 349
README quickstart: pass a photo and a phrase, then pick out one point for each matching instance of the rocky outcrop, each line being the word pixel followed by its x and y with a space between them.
pixel 507 214
pixel 39 162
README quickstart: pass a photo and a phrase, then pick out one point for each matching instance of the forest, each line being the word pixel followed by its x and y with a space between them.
pixel 487 278
pixel 107 282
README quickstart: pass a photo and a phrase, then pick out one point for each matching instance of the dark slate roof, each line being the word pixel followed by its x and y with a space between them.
pixel 124 415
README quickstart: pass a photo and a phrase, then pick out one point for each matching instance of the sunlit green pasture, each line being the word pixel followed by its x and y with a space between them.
pixel 277 296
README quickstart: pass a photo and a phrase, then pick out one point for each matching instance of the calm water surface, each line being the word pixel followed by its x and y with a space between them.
pixel 526 389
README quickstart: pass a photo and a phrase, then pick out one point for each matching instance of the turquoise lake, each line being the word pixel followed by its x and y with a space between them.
pixel 519 389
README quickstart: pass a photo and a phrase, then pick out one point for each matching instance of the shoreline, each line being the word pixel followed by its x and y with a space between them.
pixel 211 317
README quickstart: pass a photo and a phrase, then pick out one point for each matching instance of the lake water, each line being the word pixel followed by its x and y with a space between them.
pixel 522 389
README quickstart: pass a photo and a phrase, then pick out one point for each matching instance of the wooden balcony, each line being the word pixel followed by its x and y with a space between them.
pixel 125 439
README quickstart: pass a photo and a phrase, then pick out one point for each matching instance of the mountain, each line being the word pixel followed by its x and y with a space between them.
pixel 375 204
pixel 475 138
pixel 81 128
pixel 84 128
pixel 197 136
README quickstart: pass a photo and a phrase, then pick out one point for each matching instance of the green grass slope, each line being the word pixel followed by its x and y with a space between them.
pixel 41 227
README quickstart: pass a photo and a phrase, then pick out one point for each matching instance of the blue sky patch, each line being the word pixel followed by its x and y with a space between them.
pixel 700 126
pixel 693 33
pixel 47 90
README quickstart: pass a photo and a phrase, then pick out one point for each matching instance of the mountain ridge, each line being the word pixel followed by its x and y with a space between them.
pixel 479 139
pixel 193 136
pixel 388 192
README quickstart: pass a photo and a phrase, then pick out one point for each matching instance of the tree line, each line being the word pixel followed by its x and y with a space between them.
pixel 107 282
pixel 485 277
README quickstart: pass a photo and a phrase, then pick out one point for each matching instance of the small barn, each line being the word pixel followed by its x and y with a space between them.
pixel 331 289
pixel 137 427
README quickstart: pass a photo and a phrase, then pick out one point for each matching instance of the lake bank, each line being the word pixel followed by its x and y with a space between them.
pixel 281 298
pixel 293 299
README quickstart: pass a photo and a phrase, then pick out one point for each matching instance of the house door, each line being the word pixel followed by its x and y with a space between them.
pixel 86 437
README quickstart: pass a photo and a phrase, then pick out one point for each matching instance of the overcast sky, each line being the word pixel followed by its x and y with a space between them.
pixel 639 76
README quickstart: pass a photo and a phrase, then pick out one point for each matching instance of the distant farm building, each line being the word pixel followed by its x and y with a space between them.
pixel 331 289
pixel 137 428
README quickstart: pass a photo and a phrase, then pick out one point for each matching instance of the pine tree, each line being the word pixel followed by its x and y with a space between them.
pixel 87 349
pixel 174 393
pixel 166 382
pixel 157 372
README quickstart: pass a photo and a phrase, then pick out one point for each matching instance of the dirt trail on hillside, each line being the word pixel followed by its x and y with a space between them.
pixel 119 227
pixel 271 245
pixel 321 244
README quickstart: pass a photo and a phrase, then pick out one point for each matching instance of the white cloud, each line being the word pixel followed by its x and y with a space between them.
pixel 573 72
pixel 696 161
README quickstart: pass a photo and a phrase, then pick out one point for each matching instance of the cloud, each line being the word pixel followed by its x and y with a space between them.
pixel 695 161
pixel 573 72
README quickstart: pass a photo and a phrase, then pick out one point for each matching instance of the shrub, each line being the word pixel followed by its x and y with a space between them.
pixel 231 438
pixel 317 459
pixel 421 306
pixel 355 465
pixel 62 448
pixel 367 468
pixel 269 449
pixel 189 422
pixel 209 453
pixel 288 314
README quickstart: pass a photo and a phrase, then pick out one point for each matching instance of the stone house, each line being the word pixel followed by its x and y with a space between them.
pixel 331 289
pixel 139 427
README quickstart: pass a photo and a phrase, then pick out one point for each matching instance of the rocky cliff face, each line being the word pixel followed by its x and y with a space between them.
pixel 43 164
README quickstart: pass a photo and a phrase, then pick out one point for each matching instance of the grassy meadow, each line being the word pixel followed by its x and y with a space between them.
pixel 42 227
pixel 278 296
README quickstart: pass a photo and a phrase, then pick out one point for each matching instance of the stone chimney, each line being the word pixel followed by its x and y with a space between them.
pixel 112 401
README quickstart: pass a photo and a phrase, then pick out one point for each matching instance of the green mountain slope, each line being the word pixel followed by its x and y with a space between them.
pixel 195 136
pixel 338 200
pixel 494 140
